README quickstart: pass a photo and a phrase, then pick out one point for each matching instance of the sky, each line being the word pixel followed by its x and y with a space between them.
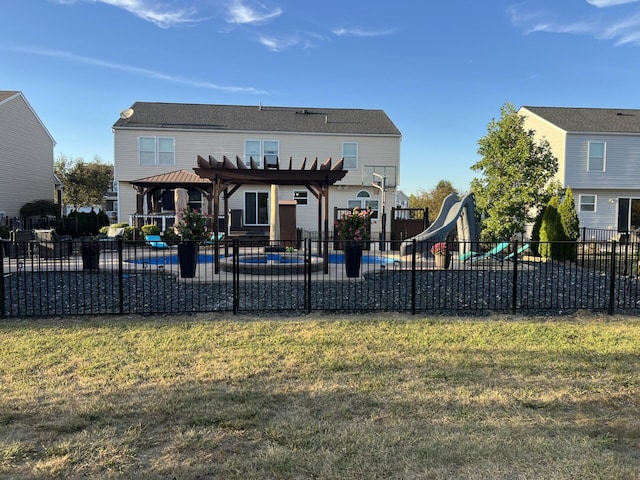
pixel 440 70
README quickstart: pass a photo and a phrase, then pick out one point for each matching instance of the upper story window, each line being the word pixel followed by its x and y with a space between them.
pixel 350 155
pixel 259 149
pixel 596 161
pixel 587 203
pixel 157 151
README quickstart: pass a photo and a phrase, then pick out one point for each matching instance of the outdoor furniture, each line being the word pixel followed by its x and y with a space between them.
pixel 493 253
pixel 110 242
pixel 52 245
pixel 21 242
pixel 155 241
pixel 514 255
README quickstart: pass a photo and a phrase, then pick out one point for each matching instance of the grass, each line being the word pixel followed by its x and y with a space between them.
pixel 388 397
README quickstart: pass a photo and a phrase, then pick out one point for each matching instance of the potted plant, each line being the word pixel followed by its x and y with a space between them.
pixel 90 251
pixel 191 228
pixel 441 254
pixel 353 230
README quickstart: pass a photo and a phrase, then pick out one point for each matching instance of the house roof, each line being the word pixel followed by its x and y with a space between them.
pixel 180 116
pixel 7 95
pixel 600 120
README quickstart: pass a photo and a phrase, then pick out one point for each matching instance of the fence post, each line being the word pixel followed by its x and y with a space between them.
pixel 413 277
pixel 236 275
pixel 2 306
pixel 514 293
pixel 307 266
pixel 613 277
pixel 120 278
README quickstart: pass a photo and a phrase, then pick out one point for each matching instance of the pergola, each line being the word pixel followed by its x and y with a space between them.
pixel 228 176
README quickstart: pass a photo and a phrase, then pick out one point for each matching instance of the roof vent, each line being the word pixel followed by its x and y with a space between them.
pixel 326 119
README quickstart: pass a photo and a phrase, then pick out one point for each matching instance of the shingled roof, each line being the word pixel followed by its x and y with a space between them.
pixel 182 116
pixel 596 120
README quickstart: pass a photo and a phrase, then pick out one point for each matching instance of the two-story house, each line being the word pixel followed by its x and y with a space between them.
pixel 162 141
pixel 26 155
pixel 598 152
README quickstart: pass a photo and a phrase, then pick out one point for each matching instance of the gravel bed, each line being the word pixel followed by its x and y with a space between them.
pixel 459 292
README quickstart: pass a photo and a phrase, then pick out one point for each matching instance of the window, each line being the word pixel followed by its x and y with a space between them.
pixel 256 208
pixel 587 203
pixel 350 155
pixel 301 197
pixel 259 149
pixel 596 157
pixel 156 151
pixel 364 202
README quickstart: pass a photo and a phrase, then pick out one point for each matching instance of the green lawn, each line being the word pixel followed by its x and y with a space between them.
pixel 325 397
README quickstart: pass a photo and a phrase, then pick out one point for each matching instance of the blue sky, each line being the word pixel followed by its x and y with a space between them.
pixel 441 70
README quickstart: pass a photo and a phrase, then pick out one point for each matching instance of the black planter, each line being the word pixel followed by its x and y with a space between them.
pixel 188 259
pixel 90 261
pixel 352 258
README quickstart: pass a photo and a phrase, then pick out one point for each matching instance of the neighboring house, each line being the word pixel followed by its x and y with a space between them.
pixel 26 155
pixel 598 152
pixel 154 139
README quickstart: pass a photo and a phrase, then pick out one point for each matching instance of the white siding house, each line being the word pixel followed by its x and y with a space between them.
pixel 598 152
pixel 26 155
pixel 158 138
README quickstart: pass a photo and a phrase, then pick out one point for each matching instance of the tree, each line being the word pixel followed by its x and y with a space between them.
pixel 550 228
pixel 432 199
pixel 569 216
pixel 516 177
pixel 84 184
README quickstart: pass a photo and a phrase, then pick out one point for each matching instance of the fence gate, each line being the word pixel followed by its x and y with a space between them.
pixel 407 223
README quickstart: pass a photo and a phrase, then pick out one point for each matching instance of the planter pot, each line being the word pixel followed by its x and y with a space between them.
pixel 188 259
pixel 352 257
pixel 442 260
pixel 90 261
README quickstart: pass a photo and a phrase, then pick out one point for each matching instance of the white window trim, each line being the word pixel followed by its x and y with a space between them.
pixel 604 156
pixel 357 155
pixel 581 203
pixel 306 197
pixel 156 151
pixel 244 214
pixel 261 154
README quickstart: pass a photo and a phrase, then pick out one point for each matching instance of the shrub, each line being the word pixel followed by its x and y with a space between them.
pixel 4 232
pixel 39 208
pixel 170 236
pixel 150 230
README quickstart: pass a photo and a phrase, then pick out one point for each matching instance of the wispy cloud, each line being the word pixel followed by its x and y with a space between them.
pixel 622 29
pixel 164 14
pixel 360 32
pixel 609 3
pixel 241 14
pixel 71 57
pixel 278 44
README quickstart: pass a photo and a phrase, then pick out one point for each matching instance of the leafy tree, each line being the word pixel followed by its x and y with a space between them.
pixel 39 208
pixel 432 199
pixel 550 228
pixel 84 183
pixel 516 176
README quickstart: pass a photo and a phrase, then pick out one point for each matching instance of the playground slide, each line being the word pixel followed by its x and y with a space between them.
pixel 454 213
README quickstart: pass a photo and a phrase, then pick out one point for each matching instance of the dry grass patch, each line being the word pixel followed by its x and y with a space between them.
pixel 324 398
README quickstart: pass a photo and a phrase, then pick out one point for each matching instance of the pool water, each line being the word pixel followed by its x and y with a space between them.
pixel 263 258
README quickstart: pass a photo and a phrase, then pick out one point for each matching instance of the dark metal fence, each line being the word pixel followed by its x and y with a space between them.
pixel 136 278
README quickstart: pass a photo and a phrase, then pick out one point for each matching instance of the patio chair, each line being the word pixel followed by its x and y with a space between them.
pixel 110 242
pixel 212 240
pixel 514 255
pixel 494 253
pixel 52 245
pixel 155 241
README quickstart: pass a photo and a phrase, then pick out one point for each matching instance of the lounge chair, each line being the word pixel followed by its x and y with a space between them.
pixel 514 255
pixel 155 241
pixel 493 253
pixel 52 245
pixel 213 239
pixel 110 242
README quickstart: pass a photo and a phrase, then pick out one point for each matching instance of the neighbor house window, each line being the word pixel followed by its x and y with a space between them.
pixel 156 151
pixel 350 155
pixel 256 208
pixel 301 197
pixel 596 157
pixel 587 203
pixel 259 149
